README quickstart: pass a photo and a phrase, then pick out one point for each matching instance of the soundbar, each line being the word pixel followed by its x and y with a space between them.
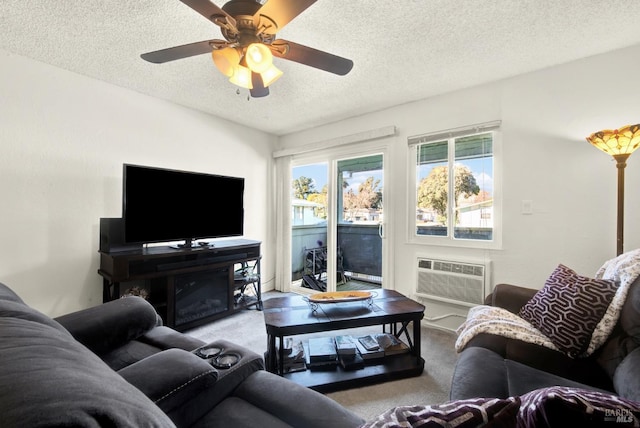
pixel 199 262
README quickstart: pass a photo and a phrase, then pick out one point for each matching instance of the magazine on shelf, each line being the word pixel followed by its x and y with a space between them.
pixel 326 364
pixel 391 344
pixel 294 360
pixel 351 362
pixel 345 345
pixel 369 354
pixel 287 344
pixel 322 349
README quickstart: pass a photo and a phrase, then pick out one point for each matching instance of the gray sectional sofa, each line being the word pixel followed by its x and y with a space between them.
pixel 497 366
pixel 115 365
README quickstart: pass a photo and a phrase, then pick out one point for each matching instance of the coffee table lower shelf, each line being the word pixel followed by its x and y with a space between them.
pixel 387 369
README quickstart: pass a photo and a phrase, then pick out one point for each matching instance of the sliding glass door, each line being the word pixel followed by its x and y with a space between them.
pixel 309 225
pixel 359 234
pixel 337 224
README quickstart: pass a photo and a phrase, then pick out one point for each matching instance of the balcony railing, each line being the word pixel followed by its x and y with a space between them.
pixel 360 248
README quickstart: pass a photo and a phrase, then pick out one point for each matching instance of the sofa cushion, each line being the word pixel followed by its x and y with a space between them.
pixel 49 379
pixel 630 314
pixel 15 309
pixel 163 337
pixel 237 413
pixel 480 372
pixel 565 406
pixel 470 375
pixel 127 354
pixel 625 338
pixel 568 308
pixel 523 379
pixel 627 376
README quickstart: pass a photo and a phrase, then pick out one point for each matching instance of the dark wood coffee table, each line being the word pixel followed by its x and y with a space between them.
pixel 290 316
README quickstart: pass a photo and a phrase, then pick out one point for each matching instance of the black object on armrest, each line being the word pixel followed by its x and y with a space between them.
pixel 177 381
pixel 230 378
pixel 105 327
pixel 510 297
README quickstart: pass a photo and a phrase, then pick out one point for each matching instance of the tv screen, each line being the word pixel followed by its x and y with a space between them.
pixel 161 205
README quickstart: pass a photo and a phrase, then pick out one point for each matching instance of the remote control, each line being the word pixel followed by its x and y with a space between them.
pixel 369 343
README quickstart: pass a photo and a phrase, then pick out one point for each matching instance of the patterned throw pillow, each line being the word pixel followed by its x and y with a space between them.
pixel 573 407
pixel 568 308
pixel 472 412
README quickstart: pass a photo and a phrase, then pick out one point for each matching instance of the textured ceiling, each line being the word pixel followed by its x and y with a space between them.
pixel 403 50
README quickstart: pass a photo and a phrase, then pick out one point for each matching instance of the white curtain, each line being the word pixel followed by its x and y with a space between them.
pixel 283 224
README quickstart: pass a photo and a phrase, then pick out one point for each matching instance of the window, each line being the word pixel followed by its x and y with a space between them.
pixel 455 199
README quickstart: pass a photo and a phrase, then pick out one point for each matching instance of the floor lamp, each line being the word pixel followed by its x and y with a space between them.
pixel 619 143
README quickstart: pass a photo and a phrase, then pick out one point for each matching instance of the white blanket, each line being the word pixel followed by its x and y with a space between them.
pixel 501 322
pixel 623 269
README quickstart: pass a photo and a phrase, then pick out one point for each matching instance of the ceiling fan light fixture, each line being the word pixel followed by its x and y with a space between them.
pixel 246 54
pixel 259 57
pixel 270 75
pixel 226 60
pixel 241 77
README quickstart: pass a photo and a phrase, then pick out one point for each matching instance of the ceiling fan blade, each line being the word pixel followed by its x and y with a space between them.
pixel 258 89
pixel 281 12
pixel 212 12
pixel 179 52
pixel 312 57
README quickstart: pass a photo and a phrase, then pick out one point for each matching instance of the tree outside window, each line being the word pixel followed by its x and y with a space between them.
pixel 461 201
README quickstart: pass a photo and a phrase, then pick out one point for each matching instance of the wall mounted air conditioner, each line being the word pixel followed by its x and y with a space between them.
pixel 458 282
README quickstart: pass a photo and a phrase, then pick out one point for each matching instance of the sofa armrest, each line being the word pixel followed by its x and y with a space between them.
pixel 107 326
pixel 230 378
pixel 293 404
pixel 510 297
pixel 177 381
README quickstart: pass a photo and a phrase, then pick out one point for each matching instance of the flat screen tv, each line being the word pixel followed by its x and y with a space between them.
pixel 163 205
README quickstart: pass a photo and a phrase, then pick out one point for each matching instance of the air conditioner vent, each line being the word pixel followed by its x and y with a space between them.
pixel 463 268
pixel 451 281
pixel 425 264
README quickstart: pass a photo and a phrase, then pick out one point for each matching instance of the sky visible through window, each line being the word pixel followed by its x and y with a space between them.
pixel 482 170
pixel 318 172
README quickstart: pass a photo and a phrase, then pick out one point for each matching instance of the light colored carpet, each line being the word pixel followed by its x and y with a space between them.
pixel 246 328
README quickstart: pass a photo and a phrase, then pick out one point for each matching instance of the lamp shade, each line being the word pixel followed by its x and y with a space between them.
pixel 259 57
pixel 616 142
pixel 270 75
pixel 226 60
pixel 241 77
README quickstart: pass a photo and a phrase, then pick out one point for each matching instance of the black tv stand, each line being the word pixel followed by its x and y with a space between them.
pixel 187 286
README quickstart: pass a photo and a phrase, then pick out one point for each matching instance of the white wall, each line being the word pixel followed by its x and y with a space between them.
pixel 545 116
pixel 63 140
pixel 64 137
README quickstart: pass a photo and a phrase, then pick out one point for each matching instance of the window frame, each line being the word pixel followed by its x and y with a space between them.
pixel 450 135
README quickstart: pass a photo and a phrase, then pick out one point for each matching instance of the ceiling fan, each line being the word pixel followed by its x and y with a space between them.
pixel 249 28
